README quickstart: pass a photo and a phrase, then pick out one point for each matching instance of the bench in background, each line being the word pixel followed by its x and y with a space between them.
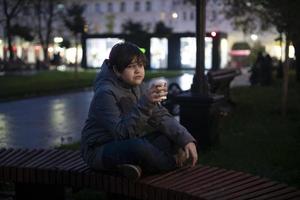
pixel 45 173
pixel 220 80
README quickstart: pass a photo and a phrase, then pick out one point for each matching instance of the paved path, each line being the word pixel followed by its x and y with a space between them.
pixel 53 120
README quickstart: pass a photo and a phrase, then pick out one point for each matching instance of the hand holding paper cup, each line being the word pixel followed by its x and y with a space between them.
pixel 160 88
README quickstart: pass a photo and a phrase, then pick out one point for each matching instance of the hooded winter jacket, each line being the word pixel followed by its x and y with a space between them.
pixel 119 111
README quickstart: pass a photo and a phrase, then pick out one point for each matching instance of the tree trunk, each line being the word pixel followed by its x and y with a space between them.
pixel 297 54
pixel 285 79
pixel 9 40
pixel 46 57
pixel 76 56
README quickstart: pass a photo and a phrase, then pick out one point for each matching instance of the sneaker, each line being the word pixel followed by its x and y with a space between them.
pixel 131 172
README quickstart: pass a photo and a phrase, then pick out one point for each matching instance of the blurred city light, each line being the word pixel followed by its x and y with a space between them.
pixel 58 39
pixel 61 68
pixel 174 15
pixel 254 37
pixel 159 53
pixel 213 34
pixel 50 49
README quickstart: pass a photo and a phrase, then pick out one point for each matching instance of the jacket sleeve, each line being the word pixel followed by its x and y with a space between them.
pixel 109 116
pixel 168 125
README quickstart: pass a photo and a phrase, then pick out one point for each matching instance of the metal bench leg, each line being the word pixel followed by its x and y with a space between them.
pixel 38 192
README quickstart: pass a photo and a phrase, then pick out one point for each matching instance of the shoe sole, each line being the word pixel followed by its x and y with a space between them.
pixel 130 172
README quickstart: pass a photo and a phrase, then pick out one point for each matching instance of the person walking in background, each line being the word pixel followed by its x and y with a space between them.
pixel 255 77
pixel 127 129
pixel 266 70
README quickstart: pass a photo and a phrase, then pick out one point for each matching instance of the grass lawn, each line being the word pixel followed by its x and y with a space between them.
pixel 255 138
pixel 47 82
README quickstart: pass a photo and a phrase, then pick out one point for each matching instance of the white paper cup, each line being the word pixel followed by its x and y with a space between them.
pixel 159 82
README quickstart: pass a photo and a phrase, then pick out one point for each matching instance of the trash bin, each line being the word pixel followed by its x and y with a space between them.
pixel 200 115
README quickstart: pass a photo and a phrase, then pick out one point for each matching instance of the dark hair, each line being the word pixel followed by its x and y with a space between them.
pixel 122 54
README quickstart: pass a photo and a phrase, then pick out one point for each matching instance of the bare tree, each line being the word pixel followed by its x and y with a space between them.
pixel 10 11
pixel 76 23
pixel 46 13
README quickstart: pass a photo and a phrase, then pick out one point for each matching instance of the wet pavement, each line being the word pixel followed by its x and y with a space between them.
pixel 43 121
pixel 49 121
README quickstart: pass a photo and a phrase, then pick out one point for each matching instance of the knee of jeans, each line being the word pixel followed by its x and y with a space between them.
pixel 142 147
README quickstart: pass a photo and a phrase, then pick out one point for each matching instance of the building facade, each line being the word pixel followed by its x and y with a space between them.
pixel 106 16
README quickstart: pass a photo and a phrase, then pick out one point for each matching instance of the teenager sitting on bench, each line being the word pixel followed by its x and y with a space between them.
pixel 127 130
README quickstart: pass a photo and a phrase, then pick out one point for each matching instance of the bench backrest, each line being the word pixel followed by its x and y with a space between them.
pixel 223 74
pixel 66 168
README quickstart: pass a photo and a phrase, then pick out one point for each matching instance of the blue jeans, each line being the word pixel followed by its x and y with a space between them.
pixel 153 153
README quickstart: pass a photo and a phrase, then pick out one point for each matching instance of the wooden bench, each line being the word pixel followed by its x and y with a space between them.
pixel 220 80
pixel 43 174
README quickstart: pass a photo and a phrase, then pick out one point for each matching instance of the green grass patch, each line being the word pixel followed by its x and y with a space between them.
pixel 49 82
pixel 255 138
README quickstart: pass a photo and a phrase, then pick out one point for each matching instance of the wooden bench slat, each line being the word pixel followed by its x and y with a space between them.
pixel 189 181
pixel 59 158
pixel 8 155
pixel 174 177
pixel 291 196
pixel 250 190
pixel 29 156
pixel 229 186
pixel 17 155
pixel 66 168
pixel 75 165
pixel 239 190
pixel 219 184
pixel 43 159
pixel 219 178
pixel 154 178
pixel 24 156
pixel 12 156
pixel 201 173
pixel 63 163
pixel 277 193
pixel 38 158
pixel 11 171
pixel 84 169
pixel 261 192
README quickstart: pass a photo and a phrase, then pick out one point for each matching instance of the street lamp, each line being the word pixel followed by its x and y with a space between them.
pixel 174 15
pixel 198 111
pixel 254 37
pixel 199 85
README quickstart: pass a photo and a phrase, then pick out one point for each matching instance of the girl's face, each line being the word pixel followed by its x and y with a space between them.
pixel 134 73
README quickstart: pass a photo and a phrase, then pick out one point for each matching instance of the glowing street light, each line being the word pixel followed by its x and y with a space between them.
pixel 254 37
pixel 213 34
pixel 58 39
pixel 174 15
